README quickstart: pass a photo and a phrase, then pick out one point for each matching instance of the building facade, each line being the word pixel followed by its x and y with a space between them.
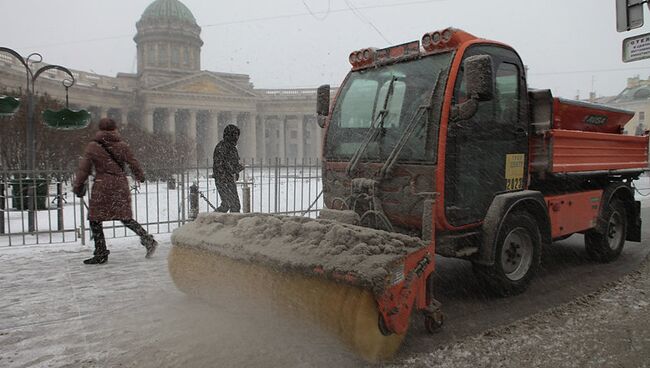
pixel 171 94
pixel 636 98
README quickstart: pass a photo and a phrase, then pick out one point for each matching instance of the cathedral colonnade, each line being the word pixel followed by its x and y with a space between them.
pixel 262 137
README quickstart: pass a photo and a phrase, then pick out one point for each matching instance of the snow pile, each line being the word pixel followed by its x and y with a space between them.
pixel 301 244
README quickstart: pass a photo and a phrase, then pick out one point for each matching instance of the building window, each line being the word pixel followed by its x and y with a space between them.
pixel 294 134
pixel 277 134
pixel 176 56
pixel 293 150
pixel 163 55
pixel 151 55
pixel 186 56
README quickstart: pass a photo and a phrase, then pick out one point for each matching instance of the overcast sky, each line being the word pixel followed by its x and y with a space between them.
pixel 568 45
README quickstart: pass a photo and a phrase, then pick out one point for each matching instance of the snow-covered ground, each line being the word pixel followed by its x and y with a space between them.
pixel 609 328
pixel 57 312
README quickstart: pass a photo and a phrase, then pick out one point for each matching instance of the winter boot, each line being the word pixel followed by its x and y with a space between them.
pixel 98 258
pixel 150 244
pixel 101 253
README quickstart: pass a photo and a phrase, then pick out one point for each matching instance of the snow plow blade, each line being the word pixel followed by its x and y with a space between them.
pixel 357 283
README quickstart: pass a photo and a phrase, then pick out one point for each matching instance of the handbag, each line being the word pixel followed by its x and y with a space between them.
pixel 82 192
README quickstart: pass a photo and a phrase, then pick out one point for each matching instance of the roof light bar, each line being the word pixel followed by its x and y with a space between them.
pixel 398 52
pixel 362 58
pixel 445 39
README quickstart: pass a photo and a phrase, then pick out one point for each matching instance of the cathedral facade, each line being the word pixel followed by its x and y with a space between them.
pixel 170 94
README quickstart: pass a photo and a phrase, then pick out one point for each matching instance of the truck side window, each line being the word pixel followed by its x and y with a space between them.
pixel 507 92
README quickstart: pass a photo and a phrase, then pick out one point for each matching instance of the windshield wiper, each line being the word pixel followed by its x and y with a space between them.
pixel 390 161
pixel 376 127
pixel 406 134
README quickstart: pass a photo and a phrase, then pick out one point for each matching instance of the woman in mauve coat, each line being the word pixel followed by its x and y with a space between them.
pixel 110 197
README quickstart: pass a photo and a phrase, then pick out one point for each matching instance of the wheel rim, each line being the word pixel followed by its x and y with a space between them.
pixel 615 231
pixel 517 254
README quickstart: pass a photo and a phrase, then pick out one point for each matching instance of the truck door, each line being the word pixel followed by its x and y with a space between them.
pixel 487 153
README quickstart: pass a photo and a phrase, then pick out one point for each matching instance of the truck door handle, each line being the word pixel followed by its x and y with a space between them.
pixel 521 132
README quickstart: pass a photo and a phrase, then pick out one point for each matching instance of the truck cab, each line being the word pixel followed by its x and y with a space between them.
pixel 441 139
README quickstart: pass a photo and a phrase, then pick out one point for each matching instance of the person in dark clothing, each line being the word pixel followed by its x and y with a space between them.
pixel 226 169
pixel 111 197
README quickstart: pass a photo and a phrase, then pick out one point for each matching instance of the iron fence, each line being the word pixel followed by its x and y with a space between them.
pixel 38 207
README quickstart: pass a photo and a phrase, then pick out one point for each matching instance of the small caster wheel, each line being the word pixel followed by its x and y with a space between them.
pixel 434 322
pixel 382 326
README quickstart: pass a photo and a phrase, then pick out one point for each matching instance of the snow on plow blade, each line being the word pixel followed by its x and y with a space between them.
pixel 360 284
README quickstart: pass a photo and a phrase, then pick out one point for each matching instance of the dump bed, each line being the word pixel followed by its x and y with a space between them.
pixel 589 117
pixel 579 137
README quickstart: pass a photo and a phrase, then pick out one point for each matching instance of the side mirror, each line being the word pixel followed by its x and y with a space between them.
pixel 479 83
pixel 322 104
pixel 478 74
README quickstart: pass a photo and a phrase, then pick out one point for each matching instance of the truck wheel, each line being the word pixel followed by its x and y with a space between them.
pixel 518 255
pixel 608 246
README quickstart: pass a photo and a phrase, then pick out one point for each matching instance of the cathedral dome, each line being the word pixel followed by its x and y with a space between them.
pixel 168 41
pixel 168 10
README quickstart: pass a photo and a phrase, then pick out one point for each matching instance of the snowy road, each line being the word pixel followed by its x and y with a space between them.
pixel 56 312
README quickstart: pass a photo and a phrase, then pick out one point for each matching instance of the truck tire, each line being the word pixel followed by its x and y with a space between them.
pixel 518 256
pixel 608 246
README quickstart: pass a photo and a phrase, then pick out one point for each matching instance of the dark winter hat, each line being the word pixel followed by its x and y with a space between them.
pixel 231 133
pixel 107 124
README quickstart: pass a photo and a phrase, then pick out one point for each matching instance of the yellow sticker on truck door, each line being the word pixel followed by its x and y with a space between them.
pixel 515 171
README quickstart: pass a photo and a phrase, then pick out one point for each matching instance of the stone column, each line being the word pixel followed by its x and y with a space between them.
pixel 251 131
pixel 282 126
pixel 212 133
pixel 261 137
pixel 247 142
pixel 191 125
pixel 225 118
pixel 148 120
pixel 318 133
pixel 191 133
pixel 301 138
pixel 124 117
pixel 170 123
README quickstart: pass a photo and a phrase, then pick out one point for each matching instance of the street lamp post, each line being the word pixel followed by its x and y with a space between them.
pixel 30 143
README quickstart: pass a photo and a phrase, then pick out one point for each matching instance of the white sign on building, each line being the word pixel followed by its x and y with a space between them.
pixel 636 48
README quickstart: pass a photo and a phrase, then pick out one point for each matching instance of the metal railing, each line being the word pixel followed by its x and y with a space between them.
pixel 281 186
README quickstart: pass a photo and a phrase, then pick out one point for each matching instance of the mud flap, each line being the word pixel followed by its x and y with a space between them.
pixel 634 227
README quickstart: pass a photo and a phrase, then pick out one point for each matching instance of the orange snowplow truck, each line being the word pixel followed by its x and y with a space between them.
pixel 443 140
pixel 440 140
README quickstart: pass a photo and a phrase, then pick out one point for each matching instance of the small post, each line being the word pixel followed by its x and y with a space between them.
pixel 183 219
pixel 194 201
pixel 2 207
pixel 246 201
pixel 276 189
pixel 31 202
pixel 246 193
pixel 82 221
pixel 59 205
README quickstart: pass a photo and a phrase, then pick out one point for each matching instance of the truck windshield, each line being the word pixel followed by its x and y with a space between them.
pixel 363 97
